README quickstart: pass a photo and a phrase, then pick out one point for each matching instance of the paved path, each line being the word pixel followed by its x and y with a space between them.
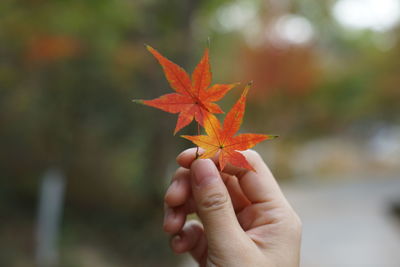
pixel 346 224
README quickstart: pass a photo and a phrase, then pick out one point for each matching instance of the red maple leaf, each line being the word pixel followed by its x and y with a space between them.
pixel 220 138
pixel 194 96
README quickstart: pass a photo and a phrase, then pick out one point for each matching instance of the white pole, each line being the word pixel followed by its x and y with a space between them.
pixel 51 200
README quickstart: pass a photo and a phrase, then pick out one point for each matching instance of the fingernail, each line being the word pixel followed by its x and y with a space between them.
pixel 176 239
pixel 204 172
pixel 169 214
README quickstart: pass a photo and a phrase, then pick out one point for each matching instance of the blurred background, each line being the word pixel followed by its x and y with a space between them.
pixel 83 169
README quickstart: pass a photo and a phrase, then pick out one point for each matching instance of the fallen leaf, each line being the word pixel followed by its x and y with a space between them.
pixel 194 96
pixel 220 138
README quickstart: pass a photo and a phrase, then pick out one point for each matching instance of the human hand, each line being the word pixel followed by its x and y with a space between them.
pixel 245 218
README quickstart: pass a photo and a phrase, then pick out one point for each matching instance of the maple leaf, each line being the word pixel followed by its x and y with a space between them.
pixel 220 138
pixel 194 96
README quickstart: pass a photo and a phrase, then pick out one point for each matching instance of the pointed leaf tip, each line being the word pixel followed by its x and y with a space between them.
pixel 149 48
pixel 270 137
pixel 246 90
pixel 138 101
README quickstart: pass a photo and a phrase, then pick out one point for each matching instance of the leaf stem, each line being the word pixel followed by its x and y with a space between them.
pixel 198 133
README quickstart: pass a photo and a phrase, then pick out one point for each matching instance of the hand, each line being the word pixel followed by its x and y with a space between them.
pixel 246 220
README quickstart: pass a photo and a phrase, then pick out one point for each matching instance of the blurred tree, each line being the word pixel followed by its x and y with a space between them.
pixel 68 72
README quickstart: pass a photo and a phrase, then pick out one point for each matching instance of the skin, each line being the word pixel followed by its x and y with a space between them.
pixel 245 218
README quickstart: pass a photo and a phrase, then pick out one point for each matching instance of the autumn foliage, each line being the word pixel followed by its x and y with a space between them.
pixel 194 96
pixel 193 99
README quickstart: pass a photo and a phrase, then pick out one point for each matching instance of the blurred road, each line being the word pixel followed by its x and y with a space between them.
pixel 347 223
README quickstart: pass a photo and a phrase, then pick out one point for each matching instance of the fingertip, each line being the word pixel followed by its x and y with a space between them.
pixel 179 190
pixel 204 172
pixel 177 244
pixel 186 157
pixel 187 239
pixel 253 156
pixel 174 220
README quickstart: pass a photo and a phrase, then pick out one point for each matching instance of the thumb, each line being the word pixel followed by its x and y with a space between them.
pixel 214 205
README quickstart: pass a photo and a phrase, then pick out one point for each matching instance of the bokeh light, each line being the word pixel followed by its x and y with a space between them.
pixel 377 15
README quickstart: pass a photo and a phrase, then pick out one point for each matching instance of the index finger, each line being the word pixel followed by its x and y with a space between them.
pixel 259 186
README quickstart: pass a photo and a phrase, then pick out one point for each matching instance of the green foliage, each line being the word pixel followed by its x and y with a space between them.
pixel 68 72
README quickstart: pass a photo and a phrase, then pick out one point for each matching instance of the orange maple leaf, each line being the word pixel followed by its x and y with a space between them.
pixel 220 138
pixel 193 97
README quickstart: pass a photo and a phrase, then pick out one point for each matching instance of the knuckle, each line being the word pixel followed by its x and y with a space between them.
pixel 294 223
pixel 214 201
pixel 297 221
